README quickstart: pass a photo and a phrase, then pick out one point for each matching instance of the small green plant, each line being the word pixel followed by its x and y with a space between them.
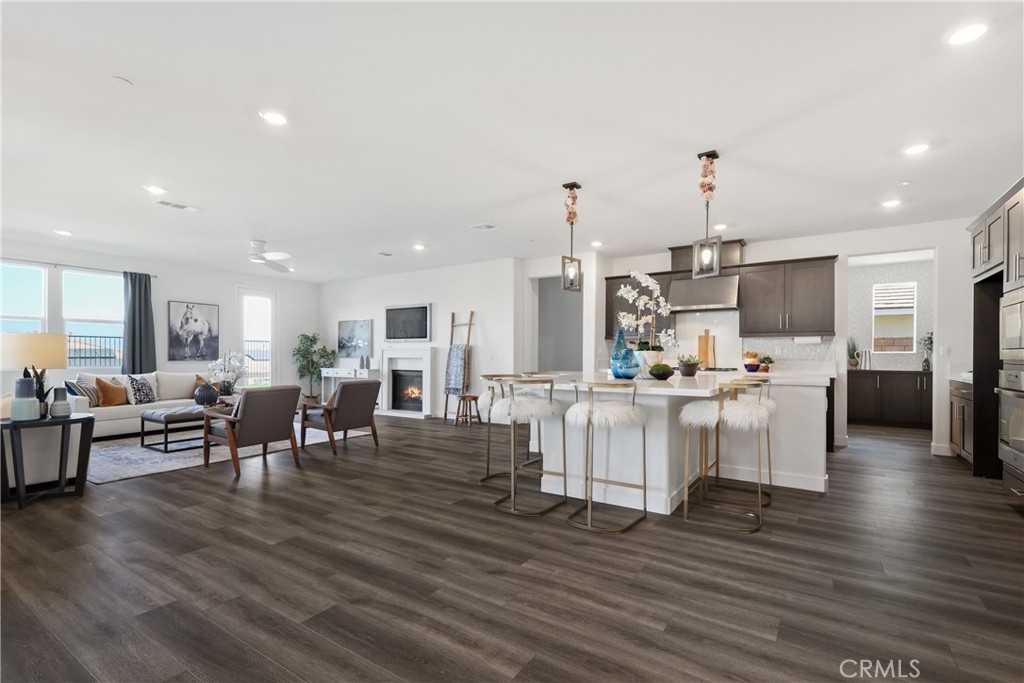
pixel 927 342
pixel 766 360
pixel 309 359
pixel 851 348
pixel 661 367
pixel 687 360
pixel 40 378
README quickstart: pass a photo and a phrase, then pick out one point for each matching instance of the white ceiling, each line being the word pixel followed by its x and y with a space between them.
pixel 414 122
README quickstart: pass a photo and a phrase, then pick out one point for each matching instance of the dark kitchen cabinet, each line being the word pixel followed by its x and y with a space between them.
pixel 863 402
pixel 961 420
pixel 987 243
pixel 615 304
pixel 901 397
pixel 1013 225
pixel 788 298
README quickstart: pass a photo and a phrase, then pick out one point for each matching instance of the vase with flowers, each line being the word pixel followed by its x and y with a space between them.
pixel 227 371
pixel 649 303
pixel 927 343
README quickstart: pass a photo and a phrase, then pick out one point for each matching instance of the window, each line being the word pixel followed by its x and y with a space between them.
pixel 257 308
pixel 93 311
pixel 22 298
pixel 894 315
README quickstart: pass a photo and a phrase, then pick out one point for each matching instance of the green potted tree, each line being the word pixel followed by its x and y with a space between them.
pixel 851 353
pixel 309 358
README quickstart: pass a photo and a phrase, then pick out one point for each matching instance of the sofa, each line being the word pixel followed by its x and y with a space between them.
pixel 172 389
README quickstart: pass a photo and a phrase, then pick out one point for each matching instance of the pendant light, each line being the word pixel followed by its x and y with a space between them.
pixel 707 253
pixel 570 265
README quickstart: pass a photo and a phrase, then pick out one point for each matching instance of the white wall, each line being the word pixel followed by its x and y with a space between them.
pixel 298 302
pixel 953 306
pixel 488 289
pixel 559 326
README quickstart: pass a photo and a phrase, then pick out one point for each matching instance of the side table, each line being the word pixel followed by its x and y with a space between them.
pixel 86 422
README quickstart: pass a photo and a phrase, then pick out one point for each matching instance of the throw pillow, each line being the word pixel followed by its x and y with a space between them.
pixel 80 387
pixel 142 390
pixel 111 393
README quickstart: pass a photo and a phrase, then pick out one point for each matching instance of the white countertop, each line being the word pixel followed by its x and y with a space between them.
pixel 688 386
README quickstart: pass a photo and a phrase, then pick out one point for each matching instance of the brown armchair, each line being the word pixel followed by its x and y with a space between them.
pixel 350 407
pixel 261 416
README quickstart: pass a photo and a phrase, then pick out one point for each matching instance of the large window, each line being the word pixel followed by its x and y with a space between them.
pixel 93 312
pixel 894 313
pixel 22 298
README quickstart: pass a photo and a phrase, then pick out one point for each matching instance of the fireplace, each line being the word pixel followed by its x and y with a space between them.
pixel 407 390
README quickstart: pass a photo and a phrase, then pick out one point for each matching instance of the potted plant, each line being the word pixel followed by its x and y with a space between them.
pixel 688 365
pixel 39 378
pixel 650 345
pixel 851 353
pixel 309 358
pixel 662 371
pixel 227 371
pixel 766 364
pixel 927 343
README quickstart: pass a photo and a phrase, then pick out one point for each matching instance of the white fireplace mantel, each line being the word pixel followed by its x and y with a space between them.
pixel 406 357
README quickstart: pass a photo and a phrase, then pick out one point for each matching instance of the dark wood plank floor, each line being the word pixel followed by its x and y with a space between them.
pixel 391 565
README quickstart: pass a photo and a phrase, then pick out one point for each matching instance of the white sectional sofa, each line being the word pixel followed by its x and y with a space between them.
pixel 172 389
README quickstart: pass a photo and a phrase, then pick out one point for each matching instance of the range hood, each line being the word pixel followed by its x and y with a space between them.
pixel 704 294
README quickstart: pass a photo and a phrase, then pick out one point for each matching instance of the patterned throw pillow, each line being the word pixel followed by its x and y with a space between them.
pixel 142 390
pixel 82 388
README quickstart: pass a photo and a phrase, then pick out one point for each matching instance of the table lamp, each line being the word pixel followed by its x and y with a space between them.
pixel 21 350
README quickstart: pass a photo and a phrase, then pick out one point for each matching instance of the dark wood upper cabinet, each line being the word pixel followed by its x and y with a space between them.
pixel 788 298
pixel 1013 226
pixel 732 255
pixel 614 304
pixel 987 242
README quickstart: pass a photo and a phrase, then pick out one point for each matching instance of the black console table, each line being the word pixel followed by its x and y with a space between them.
pixel 86 422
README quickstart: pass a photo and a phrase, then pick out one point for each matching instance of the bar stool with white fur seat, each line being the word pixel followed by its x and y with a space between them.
pixel 591 415
pixel 747 415
pixel 524 401
pixel 703 416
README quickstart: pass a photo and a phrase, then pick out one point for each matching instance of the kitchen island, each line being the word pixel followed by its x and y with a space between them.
pixel 798 440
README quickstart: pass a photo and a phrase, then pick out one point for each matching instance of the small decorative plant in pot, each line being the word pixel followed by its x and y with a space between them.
pixel 42 393
pixel 688 365
pixel 662 371
pixel 309 358
pixel 765 363
pixel 927 343
pixel 851 353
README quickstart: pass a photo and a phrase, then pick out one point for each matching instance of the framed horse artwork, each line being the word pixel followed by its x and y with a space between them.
pixel 193 331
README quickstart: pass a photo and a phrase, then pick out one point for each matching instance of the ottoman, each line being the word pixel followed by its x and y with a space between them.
pixel 180 416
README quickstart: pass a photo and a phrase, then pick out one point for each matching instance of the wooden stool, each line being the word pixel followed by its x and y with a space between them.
pixel 464 411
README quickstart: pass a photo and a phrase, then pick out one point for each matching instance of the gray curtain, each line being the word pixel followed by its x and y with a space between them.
pixel 139 334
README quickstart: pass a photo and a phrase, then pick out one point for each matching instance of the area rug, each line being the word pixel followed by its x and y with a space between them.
pixel 117 459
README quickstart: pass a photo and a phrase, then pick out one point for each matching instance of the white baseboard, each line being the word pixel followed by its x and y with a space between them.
pixel 941 449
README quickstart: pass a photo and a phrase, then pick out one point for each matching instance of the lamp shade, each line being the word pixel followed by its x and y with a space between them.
pixel 24 349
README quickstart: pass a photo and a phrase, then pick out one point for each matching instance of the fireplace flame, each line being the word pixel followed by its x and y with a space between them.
pixel 413 393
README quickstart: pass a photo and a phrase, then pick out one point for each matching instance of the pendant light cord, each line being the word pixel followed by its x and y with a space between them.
pixel 572 227
pixel 707 219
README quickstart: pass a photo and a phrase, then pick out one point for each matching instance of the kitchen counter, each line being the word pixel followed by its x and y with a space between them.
pixel 798 439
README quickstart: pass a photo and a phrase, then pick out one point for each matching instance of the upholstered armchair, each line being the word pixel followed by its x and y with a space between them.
pixel 351 407
pixel 261 415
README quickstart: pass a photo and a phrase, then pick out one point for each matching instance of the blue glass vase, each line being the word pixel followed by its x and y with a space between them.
pixel 624 364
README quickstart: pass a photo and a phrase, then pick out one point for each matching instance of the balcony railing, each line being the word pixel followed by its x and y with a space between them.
pixel 94 351
pixel 257 361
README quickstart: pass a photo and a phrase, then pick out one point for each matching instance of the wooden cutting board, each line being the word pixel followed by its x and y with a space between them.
pixel 706 349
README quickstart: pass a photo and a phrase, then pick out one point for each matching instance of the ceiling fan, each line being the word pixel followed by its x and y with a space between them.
pixel 258 254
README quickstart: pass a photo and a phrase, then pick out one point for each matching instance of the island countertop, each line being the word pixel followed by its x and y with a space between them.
pixel 703 386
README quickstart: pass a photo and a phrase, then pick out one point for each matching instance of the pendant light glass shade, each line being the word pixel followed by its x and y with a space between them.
pixel 571 273
pixel 707 257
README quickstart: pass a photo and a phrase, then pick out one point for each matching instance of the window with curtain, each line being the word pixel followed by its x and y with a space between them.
pixel 22 298
pixel 93 311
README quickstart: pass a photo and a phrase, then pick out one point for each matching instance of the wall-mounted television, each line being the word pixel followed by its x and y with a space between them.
pixel 407 323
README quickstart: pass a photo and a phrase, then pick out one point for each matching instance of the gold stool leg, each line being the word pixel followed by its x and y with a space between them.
pixel 514 477
pixel 686 473
pixel 589 505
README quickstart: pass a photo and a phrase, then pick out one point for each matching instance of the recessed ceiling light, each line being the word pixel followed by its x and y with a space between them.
pixel 892 203
pixel 64 233
pixel 903 183
pixel 721 226
pixel 274 118
pixel 290 269
pixel 154 189
pixel 418 247
pixel 917 148
pixel 967 34
pixel 596 244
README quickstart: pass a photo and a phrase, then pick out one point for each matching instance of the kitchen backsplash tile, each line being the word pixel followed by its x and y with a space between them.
pixel 861 281
pixel 785 348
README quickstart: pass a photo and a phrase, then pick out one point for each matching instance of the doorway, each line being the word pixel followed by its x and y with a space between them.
pixel 257 316
pixel 559 327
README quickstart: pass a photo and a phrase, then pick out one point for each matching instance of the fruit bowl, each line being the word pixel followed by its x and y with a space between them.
pixel 752 367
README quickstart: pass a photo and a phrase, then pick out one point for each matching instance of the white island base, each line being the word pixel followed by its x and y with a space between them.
pixel 798 444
